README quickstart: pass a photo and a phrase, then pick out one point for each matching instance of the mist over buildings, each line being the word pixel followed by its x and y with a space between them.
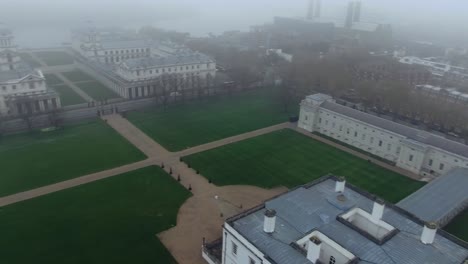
pixel 40 23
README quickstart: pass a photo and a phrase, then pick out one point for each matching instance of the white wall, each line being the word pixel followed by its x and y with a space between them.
pixel 412 156
pixel 245 250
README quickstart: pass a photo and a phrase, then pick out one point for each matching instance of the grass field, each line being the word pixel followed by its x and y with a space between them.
pixel 29 60
pixel 195 123
pixel 459 226
pixel 110 221
pixel 28 161
pixel 67 95
pixel 78 76
pixel 97 90
pixel 55 58
pixel 52 79
pixel 288 158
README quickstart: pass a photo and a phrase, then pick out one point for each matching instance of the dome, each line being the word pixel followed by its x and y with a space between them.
pixel 4 30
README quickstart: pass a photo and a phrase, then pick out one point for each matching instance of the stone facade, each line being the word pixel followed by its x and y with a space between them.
pixel 415 154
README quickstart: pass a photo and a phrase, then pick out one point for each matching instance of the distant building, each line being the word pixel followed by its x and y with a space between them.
pixel 446 94
pixel 440 70
pixel 382 68
pixel 331 221
pixel 353 13
pixel 23 90
pixel 303 30
pixel 135 67
pixel 314 9
pixel 411 149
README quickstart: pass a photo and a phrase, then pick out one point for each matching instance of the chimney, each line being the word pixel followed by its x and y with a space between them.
pixel 313 251
pixel 378 209
pixel 270 221
pixel 429 232
pixel 340 185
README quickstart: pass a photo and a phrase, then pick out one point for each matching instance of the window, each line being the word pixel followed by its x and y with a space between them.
pixel 355 134
pixel 363 137
pixel 389 147
pixel 306 118
pixel 380 143
pixel 430 162
pixel 441 166
pixel 347 131
pixel 4 88
pixel 234 248
pixel 320 120
pixel 251 261
pixel 372 140
pixel 411 157
pixel 31 85
pixel 14 87
pixel 332 260
pixel 326 122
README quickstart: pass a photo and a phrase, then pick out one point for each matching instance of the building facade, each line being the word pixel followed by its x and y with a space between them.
pixel 23 90
pixel 330 221
pixel 414 150
pixel 135 67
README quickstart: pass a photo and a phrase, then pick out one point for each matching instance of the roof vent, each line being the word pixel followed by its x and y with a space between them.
pixel 340 185
pixel 270 221
pixel 429 232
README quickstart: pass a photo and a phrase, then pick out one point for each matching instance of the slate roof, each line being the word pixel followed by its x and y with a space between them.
pixel 443 197
pixel 125 44
pixel 408 132
pixel 177 59
pixel 22 71
pixel 309 208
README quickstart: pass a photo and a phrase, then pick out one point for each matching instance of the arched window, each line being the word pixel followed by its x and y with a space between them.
pixel 332 260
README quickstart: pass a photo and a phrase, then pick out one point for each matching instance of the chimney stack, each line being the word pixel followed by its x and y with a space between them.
pixel 429 232
pixel 378 209
pixel 340 185
pixel 313 250
pixel 270 221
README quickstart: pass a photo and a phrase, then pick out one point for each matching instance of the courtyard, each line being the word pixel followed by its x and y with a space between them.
pixel 194 123
pixel 41 158
pixel 90 86
pixel 288 158
pixel 55 58
pixel 67 95
pixel 113 220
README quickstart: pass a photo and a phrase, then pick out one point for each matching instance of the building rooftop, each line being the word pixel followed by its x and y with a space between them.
pixel 440 200
pixel 22 71
pixel 315 208
pixel 408 132
pixel 125 44
pixel 177 59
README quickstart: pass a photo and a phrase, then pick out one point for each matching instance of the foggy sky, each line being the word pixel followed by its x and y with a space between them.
pixel 54 17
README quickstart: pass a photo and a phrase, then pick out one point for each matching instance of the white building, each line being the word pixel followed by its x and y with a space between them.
pixel 437 68
pixel 331 222
pixel 414 150
pixel 23 90
pixel 135 67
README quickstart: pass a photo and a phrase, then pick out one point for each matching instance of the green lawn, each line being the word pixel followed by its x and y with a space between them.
pixel 67 95
pixel 196 123
pixel 55 58
pixel 78 76
pixel 110 221
pixel 97 90
pixel 52 79
pixel 288 158
pixel 459 226
pixel 29 60
pixel 28 161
